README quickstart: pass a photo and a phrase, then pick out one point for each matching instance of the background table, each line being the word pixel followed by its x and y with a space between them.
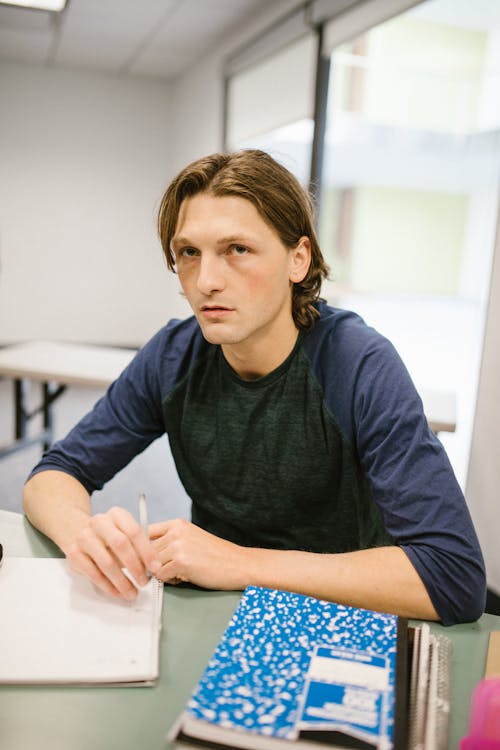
pixel 59 718
pixel 55 365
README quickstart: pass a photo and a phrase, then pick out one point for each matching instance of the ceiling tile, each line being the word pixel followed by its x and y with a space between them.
pixel 23 18
pixel 146 37
pixel 107 34
pixel 25 46
pixel 101 53
pixel 116 18
pixel 188 32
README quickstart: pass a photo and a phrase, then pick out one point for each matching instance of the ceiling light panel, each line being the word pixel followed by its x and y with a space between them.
pixel 53 5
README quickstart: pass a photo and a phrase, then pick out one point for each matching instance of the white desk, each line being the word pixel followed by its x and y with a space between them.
pixel 441 409
pixel 76 364
pixel 55 366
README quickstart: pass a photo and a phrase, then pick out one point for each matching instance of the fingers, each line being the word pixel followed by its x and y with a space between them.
pixel 128 542
pixel 108 562
pixel 190 553
pixel 110 542
pixel 157 530
pixel 168 574
pixel 167 540
pixel 83 564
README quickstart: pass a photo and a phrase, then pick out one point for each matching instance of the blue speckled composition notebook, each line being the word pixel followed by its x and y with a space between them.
pixel 295 668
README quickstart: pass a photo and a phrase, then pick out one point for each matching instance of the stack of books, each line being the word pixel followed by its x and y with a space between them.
pixel 292 668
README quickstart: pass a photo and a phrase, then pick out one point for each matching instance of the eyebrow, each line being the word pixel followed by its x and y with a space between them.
pixel 240 238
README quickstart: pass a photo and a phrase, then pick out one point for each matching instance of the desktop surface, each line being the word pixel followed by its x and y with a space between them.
pixel 105 718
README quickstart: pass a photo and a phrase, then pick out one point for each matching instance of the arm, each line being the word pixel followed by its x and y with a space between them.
pixel 382 578
pixel 96 546
pixel 57 494
pixel 413 484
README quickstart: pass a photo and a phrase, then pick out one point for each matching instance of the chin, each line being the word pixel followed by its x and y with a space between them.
pixel 215 335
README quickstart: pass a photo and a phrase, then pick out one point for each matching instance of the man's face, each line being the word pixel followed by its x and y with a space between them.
pixel 234 270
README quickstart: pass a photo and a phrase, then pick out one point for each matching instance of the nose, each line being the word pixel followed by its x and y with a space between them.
pixel 211 274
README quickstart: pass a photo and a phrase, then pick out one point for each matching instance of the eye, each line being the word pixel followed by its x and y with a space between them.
pixel 188 252
pixel 238 250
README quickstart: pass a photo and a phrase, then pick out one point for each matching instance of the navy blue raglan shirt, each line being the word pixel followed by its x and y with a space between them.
pixel 330 452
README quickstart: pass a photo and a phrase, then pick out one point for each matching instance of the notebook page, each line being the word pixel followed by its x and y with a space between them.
pixel 56 627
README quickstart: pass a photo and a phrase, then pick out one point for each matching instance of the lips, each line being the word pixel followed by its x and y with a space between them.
pixel 215 308
pixel 215 311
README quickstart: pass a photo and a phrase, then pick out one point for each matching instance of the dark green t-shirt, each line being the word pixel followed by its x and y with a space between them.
pixel 264 461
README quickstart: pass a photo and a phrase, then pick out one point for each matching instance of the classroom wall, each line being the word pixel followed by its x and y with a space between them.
pixel 198 95
pixel 84 158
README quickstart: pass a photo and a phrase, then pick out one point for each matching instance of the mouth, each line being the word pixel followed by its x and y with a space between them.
pixel 215 311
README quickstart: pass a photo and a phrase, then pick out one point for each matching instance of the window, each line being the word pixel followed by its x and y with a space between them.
pixel 276 118
pixel 411 188
pixel 410 169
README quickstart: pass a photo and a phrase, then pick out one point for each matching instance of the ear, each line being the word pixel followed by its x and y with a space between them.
pixel 300 260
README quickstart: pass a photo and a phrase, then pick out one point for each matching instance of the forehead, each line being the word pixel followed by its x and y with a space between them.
pixel 206 213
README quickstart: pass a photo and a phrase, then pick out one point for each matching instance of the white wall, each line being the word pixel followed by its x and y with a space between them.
pixel 198 94
pixel 84 161
pixel 85 158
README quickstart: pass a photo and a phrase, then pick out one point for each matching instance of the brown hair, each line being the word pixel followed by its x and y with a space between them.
pixel 276 194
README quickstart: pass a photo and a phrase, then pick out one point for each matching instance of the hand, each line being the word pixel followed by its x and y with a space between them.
pixel 107 543
pixel 189 553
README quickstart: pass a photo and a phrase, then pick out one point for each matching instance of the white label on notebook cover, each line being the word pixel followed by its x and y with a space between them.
pixel 346 690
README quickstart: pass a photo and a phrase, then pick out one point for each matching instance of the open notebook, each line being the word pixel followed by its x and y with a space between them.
pixel 56 627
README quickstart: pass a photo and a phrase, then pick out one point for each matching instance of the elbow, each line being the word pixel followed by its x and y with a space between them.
pixel 470 611
pixel 456 583
pixel 466 600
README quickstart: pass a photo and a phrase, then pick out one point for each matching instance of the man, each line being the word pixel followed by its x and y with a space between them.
pixel 295 428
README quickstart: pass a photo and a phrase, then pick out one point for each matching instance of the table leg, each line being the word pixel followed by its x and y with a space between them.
pixel 21 413
pixel 48 420
pixel 22 417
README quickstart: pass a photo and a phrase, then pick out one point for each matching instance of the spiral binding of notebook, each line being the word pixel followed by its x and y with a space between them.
pixel 429 702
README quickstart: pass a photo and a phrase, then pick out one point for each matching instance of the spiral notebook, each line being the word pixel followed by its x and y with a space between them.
pixel 300 673
pixel 429 707
pixel 57 628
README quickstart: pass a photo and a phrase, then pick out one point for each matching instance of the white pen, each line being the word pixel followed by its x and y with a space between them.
pixel 143 519
pixel 143 513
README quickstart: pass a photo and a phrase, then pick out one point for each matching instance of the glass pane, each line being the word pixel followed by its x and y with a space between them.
pixel 290 145
pixel 280 124
pixel 411 188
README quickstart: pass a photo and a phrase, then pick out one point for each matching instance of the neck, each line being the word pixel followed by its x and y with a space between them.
pixel 251 361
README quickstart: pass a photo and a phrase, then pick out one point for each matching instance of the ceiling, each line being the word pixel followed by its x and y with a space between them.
pixel 161 38
pixel 156 38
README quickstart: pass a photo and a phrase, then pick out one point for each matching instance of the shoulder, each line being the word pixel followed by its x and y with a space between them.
pixel 343 332
pixel 343 349
pixel 356 367
pixel 176 333
pixel 169 354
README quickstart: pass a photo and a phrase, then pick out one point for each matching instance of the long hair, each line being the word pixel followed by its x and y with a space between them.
pixel 278 197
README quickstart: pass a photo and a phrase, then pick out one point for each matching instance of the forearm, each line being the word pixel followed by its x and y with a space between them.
pixel 58 505
pixel 382 578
